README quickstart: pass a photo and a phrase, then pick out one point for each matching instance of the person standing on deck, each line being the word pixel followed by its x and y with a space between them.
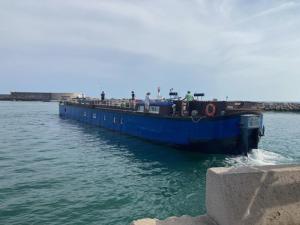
pixel 189 98
pixel 147 102
pixel 132 101
pixel 102 96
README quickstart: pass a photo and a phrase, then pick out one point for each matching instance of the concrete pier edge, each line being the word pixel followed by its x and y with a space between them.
pixel 258 195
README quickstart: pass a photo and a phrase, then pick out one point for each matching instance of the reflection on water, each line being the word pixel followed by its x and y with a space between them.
pixel 55 171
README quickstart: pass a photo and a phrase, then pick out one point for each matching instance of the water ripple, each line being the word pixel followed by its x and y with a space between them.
pixel 55 171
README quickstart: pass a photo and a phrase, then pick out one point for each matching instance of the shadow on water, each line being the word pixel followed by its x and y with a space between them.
pixel 147 151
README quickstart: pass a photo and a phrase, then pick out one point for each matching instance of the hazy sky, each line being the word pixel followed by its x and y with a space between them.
pixel 244 49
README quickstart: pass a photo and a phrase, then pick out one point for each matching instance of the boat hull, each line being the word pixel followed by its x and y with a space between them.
pixel 208 135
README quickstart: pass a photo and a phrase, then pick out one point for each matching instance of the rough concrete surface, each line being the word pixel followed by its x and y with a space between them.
pixel 267 195
pixel 183 220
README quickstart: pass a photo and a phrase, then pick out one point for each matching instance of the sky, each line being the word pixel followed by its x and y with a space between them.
pixel 243 49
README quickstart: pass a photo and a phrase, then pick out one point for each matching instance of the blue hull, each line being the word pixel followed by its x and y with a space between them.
pixel 210 135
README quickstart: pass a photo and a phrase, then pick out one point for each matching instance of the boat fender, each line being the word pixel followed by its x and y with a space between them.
pixel 196 117
pixel 210 110
pixel 194 113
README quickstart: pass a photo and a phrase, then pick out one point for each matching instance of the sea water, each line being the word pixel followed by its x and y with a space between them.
pixel 55 171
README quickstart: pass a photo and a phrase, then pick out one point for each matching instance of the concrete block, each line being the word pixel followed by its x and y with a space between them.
pixel 145 222
pixel 183 220
pixel 254 195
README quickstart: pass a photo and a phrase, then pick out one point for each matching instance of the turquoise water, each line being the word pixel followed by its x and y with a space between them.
pixel 55 171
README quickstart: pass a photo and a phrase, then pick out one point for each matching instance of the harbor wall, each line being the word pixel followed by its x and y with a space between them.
pixel 30 96
pixel 38 96
pixel 260 195
pixel 4 97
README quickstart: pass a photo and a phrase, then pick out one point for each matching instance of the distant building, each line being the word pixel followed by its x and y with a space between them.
pixel 64 96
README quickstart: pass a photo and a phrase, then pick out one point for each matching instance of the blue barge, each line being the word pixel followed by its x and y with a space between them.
pixel 202 126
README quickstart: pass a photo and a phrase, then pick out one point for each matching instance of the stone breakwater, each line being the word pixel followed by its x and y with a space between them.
pixel 260 195
pixel 281 106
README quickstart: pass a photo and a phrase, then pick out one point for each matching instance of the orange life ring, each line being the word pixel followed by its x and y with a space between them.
pixel 210 110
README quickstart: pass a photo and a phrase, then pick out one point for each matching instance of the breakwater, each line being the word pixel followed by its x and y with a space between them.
pixel 259 195
pixel 281 106
pixel 37 96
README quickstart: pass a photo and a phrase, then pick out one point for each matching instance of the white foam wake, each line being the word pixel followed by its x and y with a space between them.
pixel 264 157
pixel 259 157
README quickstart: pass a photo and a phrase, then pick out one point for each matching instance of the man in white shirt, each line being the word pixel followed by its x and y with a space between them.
pixel 147 102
